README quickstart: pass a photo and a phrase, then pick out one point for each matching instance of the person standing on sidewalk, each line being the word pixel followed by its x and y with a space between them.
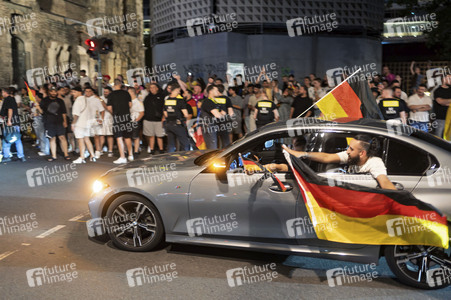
pixel 11 132
pixel 119 104
pixel 81 125
pixel 55 121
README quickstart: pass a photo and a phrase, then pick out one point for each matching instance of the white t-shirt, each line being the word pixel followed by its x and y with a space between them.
pixel 137 107
pixel 87 110
pixel 374 165
pixel 419 116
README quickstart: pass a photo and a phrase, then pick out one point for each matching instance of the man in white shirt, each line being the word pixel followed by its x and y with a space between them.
pixel 81 125
pixel 419 105
pixel 84 79
pixel 136 114
pixel 107 124
pixel 359 157
pixel 97 115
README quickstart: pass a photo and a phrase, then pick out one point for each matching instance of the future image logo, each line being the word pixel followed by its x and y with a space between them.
pixel 211 24
pixel 311 25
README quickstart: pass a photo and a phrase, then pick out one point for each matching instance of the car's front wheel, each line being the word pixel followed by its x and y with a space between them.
pixel 424 267
pixel 134 224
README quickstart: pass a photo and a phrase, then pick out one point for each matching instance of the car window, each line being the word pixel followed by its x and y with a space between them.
pixel 268 149
pixel 405 159
pixel 334 142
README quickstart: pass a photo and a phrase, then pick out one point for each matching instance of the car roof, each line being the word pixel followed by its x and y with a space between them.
pixel 381 125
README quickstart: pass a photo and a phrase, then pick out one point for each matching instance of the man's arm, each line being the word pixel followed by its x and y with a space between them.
pixel 443 101
pixel 325 158
pixel 385 183
pixel 422 107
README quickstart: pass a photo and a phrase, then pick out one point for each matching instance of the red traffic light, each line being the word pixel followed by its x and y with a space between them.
pixel 91 44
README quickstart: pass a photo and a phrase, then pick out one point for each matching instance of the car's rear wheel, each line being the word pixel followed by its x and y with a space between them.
pixel 424 267
pixel 134 224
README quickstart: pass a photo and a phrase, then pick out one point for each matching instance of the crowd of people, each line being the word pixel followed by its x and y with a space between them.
pixel 182 115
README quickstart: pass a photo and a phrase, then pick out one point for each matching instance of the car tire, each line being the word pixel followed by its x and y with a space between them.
pixel 134 224
pixel 407 261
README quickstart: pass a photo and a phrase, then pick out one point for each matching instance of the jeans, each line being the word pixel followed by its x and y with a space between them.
pixel 178 131
pixel 423 126
pixel 439 130
pixel 211 134
pixel 18 142
pixel 44 145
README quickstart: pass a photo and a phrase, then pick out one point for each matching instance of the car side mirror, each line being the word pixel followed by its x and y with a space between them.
pixel 218 166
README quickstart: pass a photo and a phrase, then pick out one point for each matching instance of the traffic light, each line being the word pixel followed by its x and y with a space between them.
pixel 98 45
pixel 92 48
pixel 106 45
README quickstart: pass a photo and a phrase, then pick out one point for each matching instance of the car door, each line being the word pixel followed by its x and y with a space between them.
pixel 260 209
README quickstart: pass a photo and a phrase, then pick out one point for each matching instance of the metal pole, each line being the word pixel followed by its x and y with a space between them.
pixel 99 74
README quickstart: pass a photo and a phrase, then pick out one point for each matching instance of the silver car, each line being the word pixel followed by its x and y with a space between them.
pixel 206 198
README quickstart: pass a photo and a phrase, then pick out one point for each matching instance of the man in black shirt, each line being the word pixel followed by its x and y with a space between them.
pixel 393 108
pixel 301 103
pixel 119 104
pixel 265 112
pixel 214 117
pixel 442 100
pixel 55 121
pixel 11 131
pixel 175 114
pixel 153 116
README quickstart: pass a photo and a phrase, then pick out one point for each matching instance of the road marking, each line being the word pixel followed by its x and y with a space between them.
pixel 25 244
pixel 76 218
pixel 6 254
pixel 50 231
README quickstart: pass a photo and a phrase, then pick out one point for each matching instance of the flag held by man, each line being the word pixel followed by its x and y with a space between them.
pixel 367 215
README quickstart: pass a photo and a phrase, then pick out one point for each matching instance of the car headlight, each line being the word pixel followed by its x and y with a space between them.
pixel 98 186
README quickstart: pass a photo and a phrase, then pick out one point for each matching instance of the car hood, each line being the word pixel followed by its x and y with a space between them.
pixel 176 160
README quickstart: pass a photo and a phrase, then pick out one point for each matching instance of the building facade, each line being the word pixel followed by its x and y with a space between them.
pixel 48 37
pixel 299 37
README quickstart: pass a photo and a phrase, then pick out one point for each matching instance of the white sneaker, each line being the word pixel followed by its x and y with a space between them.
pixel 110 154
pixel 120 160
pixel 79 161
pixel 130 158
pixel 148 150
pixel 41 153
pixel 97 154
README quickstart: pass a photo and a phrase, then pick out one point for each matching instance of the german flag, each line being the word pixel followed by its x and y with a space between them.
pixel 362 215
pixel 31 93
pixel 447 131
pixel 352 98
pixel 253 166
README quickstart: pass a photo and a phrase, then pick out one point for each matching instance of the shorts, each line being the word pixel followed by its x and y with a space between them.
pixel 136 129
pixel 52 130
pixel 107 126
pixel 237 127
pixel 81 132
pixel 69 125
pixel 124 130
pixel 153 128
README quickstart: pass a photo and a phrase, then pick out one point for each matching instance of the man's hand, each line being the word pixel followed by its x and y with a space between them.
pixel 385 183
pixel 295 153
pixel 9 123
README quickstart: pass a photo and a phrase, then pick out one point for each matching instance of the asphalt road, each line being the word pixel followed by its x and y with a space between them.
pixel 56 240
